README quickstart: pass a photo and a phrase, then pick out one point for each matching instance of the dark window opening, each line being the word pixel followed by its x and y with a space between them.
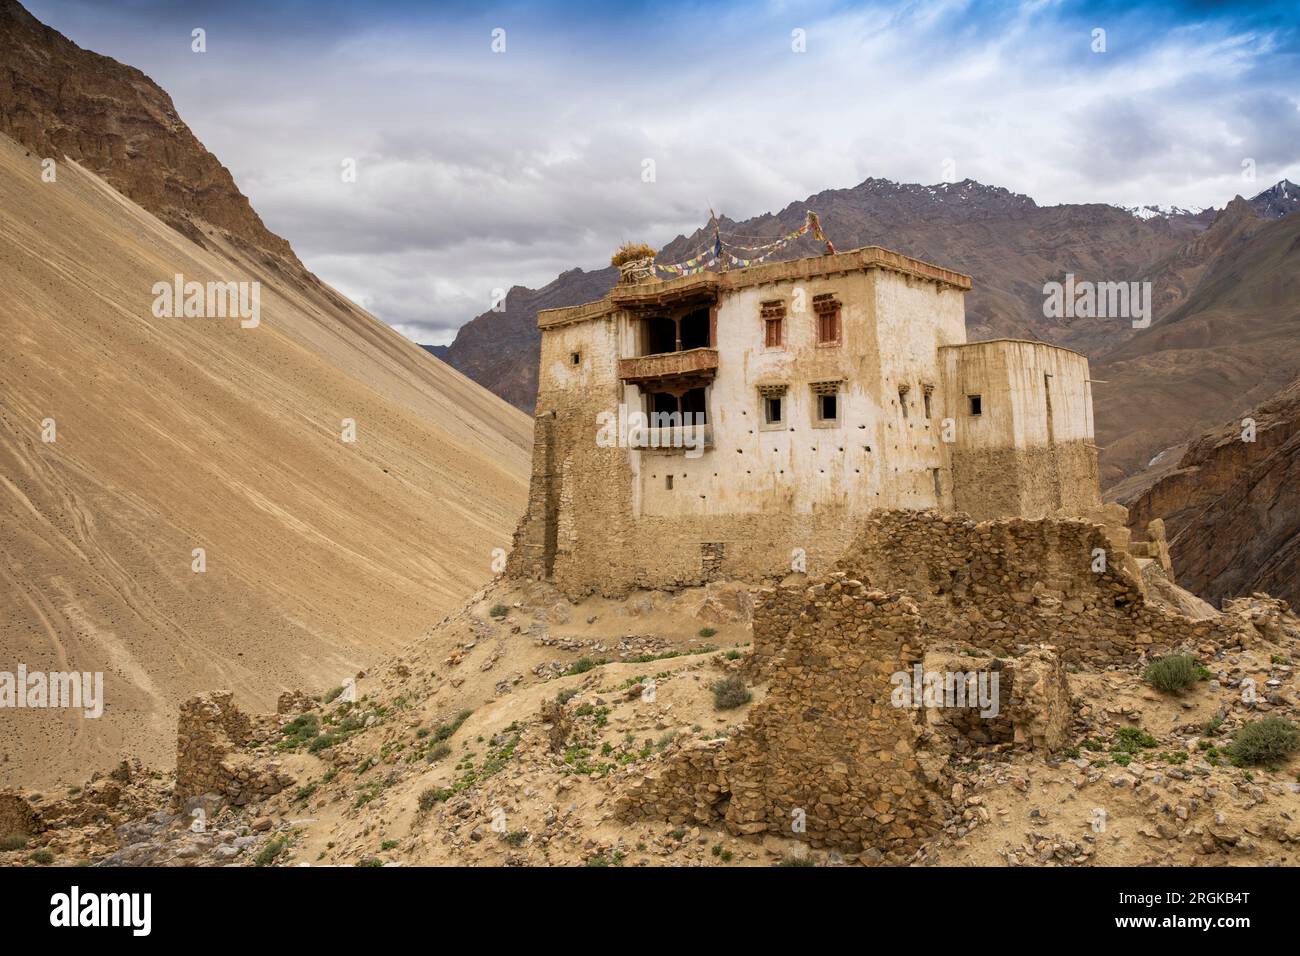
pixel 695 330
pixel 902 399
pixel 772 411
pixel 661 335
pixel 926 396
pixel 575 357
pixel 976 404
pixel 938 486
pixel 663 402
pixel 693 403
pixel 828 407
pixel 668 482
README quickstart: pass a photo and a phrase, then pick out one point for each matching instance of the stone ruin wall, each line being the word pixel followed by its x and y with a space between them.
pixel 1016 595
pixel 211 737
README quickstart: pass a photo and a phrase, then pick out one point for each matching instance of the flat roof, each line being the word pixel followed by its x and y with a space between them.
pixel 656 290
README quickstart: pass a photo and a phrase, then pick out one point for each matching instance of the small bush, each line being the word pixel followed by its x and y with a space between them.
pixel 1129 740
pixel 1172 673
pixel 1264 741
pixel 797 859
pixel 708 631
pixel 41 857
pixel 332 695
pixel 584 664
pixel 438 751
pixel 446 730
pixel 730 692
pixel 270 852
pixel 516 838
pixel 566 695
pixel 499 610
pixel 13 841
pixel 322 742
pixel 432 797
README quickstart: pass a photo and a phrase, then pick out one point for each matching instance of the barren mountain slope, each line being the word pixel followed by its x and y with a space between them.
pixel 173 434
pixel 1233 343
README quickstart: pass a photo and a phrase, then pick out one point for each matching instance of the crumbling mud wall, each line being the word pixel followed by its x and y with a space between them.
pixel 833 757
pixel 995 585
pixel 211 757
pixel 826 756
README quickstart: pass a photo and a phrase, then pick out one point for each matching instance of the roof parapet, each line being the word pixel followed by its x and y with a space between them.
pixel 855 260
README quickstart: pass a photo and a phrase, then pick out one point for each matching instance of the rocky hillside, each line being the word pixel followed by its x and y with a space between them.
pixel 60 100
pixel 1232 507
pixel 190 502
pixel 526 730
pixel 1233 343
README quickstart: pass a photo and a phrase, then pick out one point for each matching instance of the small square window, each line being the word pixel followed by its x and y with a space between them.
pixel 976 404
pixel 772 410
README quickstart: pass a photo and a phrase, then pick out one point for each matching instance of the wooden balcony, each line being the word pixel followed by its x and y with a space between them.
pixel 678 371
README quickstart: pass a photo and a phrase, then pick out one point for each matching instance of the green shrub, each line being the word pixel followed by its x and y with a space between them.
pixel 1131 740
pixel 41 857
pixel 1172 673
pixel 433 796
pixel 13 841
pixel 270 852
pixel 797 859
pixel 1264 741
pixel 320 743
pixel 730 692
pixel 301 730
pixel 584 664
pixel 708 631
pixel 499 610
pixel 332 695
pixel 566 695
pixel 446 730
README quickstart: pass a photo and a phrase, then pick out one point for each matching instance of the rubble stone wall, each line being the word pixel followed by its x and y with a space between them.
pixel 210 756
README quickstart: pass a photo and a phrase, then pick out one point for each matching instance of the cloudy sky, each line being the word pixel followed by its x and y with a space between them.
pixel 479 168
